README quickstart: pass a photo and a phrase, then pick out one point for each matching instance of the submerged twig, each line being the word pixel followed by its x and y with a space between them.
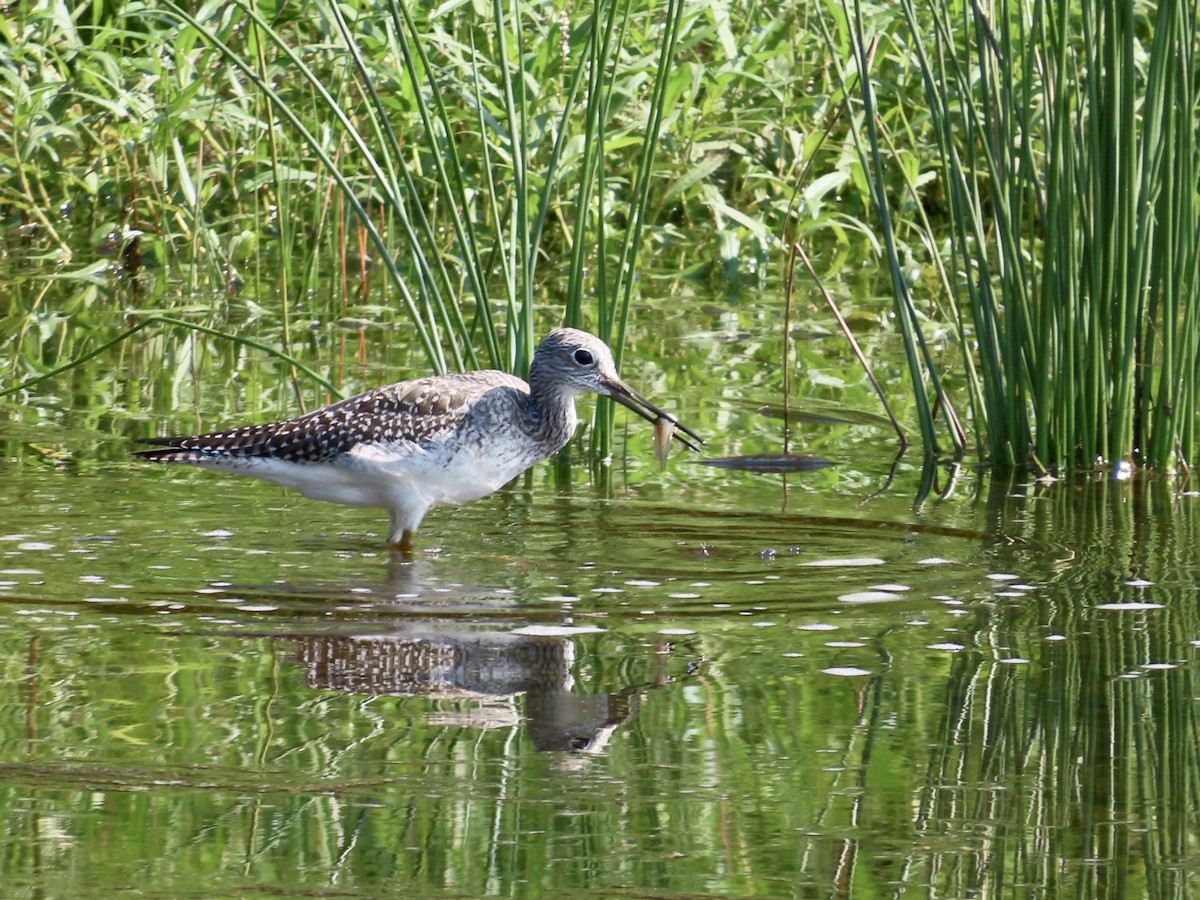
pixel 175 323
pixel 799 251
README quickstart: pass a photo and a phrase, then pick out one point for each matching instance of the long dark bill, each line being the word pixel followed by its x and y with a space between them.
pixel 631 399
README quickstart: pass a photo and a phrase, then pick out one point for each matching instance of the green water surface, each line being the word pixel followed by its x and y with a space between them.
pixel 864 681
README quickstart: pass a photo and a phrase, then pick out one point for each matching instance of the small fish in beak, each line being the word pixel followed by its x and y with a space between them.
pixel 631 399
pixel 663 429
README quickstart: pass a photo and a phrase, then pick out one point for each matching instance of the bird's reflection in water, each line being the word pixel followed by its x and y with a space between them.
pixel 458 663
pixel 446 640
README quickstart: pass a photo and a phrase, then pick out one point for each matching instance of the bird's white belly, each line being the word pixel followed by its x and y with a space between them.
pixel 375 475
pixel 394 476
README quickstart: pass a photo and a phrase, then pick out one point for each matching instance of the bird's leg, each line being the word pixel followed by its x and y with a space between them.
pixel 404 545
pixel 400 534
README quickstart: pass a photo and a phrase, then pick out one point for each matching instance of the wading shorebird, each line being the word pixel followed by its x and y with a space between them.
pixel 436 441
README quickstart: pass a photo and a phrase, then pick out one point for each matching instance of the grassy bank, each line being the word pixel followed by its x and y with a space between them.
pixel 476 173
pixel 443 165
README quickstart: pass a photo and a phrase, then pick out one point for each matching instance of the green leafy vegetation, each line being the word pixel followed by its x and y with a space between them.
pixel 471 174
pixel 470 153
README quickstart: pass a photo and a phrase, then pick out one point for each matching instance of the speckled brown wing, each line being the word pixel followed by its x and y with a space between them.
pixel 418 411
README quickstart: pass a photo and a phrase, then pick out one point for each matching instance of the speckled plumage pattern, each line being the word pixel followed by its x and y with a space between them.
pixel 420 412
pixel 413 445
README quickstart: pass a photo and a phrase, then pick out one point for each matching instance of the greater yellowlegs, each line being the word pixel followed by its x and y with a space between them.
pixel 436 441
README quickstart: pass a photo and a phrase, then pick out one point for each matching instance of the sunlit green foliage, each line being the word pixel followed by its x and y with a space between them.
pixel 477 150
pixel 473 173
pixel 470 173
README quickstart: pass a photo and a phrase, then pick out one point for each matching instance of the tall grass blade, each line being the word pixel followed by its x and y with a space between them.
pixel 421 326
pixel 1067 148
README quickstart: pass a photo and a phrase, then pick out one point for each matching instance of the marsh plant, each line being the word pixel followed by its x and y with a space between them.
pixel 473 174
pixel 478 172
pixel 1066 167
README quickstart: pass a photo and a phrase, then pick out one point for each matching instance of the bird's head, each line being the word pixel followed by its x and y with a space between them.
pixel 577 362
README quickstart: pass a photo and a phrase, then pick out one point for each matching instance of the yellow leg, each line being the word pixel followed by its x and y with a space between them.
pixel 400 523
pixel 405 544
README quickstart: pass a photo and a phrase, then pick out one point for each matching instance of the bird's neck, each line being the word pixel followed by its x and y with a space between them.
pixel 550 412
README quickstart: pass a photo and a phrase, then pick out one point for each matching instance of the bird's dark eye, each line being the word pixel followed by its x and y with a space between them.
pixel 583 357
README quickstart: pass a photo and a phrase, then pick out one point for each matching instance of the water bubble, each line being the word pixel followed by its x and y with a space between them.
pixel 868 597
pixel 556 630
pixel 852 561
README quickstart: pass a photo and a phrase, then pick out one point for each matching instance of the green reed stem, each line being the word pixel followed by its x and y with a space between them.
pixel 436 286
pixel 432 349
pixel 449 171
pixel 1067 149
